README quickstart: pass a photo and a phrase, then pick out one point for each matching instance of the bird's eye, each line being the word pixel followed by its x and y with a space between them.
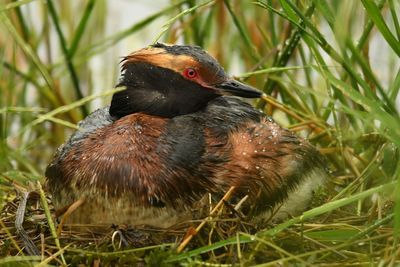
pixel 190 73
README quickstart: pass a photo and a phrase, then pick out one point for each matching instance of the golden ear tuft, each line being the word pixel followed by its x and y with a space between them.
pixel 159 56
pixel 142 55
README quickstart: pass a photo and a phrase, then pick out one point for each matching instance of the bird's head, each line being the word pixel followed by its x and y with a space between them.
pixel 171 80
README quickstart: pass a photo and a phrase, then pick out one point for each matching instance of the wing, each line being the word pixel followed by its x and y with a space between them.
pixel 153 160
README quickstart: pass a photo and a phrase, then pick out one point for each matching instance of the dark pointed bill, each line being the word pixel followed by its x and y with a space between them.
pixel 233 87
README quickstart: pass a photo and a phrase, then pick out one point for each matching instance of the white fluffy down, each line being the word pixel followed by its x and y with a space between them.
pixel 298 199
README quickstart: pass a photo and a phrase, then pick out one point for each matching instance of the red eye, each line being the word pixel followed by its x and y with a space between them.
pixel 190 73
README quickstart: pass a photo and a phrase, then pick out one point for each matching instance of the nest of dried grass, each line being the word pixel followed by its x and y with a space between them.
pixel 32 228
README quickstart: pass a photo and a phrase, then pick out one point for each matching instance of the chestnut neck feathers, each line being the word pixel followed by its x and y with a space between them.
pixel 168 81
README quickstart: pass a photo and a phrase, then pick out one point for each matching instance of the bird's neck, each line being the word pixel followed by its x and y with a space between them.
pixel 157 91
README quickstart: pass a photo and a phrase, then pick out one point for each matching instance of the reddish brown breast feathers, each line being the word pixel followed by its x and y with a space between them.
pixel 116 159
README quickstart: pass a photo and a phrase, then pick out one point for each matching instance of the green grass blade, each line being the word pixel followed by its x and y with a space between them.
pixel 24 28
pixel 70 66
pixel 395 18
pixel 323 6
pixel 45 91
pixel 368 27
pixel 66 108
pixel 49 218
pixel 81 28
pixel 375 15
pixel 185 12
pixel 371 76
pixel 317 36
pixel 243 33
pixel 390 122
pixel 15 4
pixel 397 203
pixel 395 88
pixel 20 260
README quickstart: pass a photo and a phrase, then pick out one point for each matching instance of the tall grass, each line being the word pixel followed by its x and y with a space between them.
pixel 332 73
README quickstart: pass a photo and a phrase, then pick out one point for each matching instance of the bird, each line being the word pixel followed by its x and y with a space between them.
pixel 180 131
